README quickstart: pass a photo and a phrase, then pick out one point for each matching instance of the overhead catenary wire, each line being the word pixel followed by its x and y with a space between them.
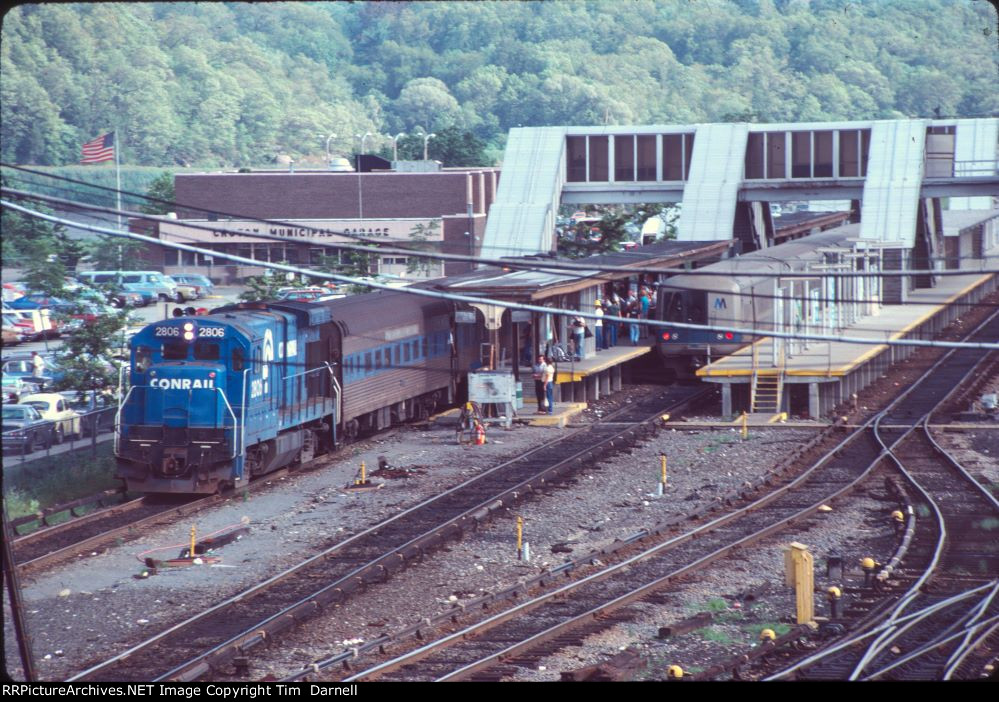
pixel 560 266
pixel 502 303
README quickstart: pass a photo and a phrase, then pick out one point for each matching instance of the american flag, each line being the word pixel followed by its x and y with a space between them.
pixel 99 149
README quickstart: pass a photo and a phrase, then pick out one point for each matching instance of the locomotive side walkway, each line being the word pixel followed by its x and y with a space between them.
pixel 824 374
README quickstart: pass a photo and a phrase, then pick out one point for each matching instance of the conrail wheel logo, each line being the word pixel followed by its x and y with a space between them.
pixel 267 357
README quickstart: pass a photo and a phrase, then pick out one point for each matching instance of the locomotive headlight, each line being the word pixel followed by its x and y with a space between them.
pixel 188 331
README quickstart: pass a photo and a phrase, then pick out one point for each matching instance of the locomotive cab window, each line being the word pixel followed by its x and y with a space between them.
pixel 174 351
pixel 238 361
pixel 143 359
pixel 206 350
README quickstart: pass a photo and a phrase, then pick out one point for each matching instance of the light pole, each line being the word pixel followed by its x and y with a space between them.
pixel 360 197
pixel 329 159
pixel 395 142
pixel 426 140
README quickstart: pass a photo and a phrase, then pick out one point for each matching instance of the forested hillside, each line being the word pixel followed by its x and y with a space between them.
pixel 235 84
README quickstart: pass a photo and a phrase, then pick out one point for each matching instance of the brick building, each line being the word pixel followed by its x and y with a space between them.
pixel 445 210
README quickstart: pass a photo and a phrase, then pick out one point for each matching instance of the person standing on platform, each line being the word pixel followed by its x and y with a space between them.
pixel 539 384
pixel 613 309
pixel 645 301
pixel 598 325
pixel 548 378
pixel 578 335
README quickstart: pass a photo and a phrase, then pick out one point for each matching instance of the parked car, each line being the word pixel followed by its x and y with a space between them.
pixel 96 410
pixel 54 408
pixel 301 294
pixel 24 429
pixel 20 366
pixel 12 334
pixel 202 281
pixel 185 291
pixel 13 388
pixel 150 284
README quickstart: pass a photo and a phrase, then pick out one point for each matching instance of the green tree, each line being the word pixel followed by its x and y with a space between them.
pixel 114 253
pixel 261 288
pixel 92 355
pixel 580 241
pixel 420 235
pixel 457 147
pixel 162 190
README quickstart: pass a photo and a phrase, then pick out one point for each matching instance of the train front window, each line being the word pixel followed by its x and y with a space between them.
pixel 206 351
pixel 174 351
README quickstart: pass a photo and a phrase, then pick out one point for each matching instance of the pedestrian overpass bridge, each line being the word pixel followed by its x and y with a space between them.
pixel 897 171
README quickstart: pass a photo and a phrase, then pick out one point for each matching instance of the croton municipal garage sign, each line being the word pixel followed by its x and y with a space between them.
pixel 304 230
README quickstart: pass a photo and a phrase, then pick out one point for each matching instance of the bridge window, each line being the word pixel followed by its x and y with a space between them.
pixel 646 157
pixel 677 149
pixel 801 154
pixel 849 153
pixel 624 157
pixel 575 159
pixel 599 159
pixel 823 163
pixel 776 154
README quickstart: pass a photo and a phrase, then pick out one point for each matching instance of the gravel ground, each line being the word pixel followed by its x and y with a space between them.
pixel 856 528
pixel 602 503
pixel 88 610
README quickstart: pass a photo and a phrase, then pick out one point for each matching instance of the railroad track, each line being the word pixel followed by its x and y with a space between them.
pixel 233 628
pixel 945 606
pixel 522 635
pixel 47 546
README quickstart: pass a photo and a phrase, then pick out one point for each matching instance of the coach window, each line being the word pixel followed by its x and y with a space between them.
pixel 396 355
pixel 407 352
pixel 367 362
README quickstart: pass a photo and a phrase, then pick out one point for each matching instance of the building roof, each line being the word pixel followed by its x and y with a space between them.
pixel 541 283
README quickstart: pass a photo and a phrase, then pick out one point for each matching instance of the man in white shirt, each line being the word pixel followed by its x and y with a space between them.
pixel 38 364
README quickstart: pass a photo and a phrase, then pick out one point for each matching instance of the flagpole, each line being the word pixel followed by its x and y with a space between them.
pixel 117 177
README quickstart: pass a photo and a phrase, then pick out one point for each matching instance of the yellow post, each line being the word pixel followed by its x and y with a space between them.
pixel 364 473
pixel 662 458
pixel 745 426
pixel 520 534
pixel 194 531
pixel 799 573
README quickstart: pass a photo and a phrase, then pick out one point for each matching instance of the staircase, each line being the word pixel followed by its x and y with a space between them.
pixel 766 387
pixel 767 391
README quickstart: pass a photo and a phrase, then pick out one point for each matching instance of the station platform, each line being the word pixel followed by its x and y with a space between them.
pixel 815 376
pixel 596 375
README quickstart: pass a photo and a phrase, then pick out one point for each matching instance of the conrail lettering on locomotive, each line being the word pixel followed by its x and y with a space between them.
pixel 182 383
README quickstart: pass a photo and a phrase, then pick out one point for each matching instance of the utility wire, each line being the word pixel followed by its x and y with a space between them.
pixel 560 266
pixel 413 290
pixel 666 287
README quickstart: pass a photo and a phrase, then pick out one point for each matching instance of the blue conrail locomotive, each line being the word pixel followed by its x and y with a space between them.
pixel 215 400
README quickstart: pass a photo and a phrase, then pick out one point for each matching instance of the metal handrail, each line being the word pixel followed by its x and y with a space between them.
pixel 337 403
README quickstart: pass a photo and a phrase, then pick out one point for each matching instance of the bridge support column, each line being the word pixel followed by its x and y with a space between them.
pixel 592 389
pixel 615 379
pixel 605 383
pixel 726 389
pixel 813 401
